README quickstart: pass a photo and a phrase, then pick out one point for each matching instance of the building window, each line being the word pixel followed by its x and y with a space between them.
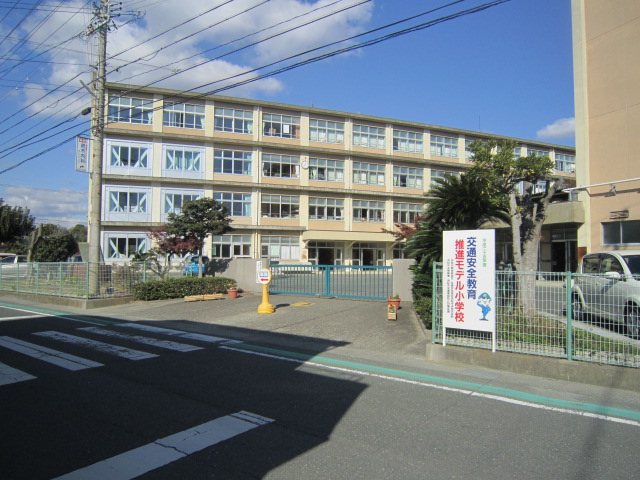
pixel 282 166
pixel 565 163
pixel 280 248
pixel 239 204
pixel 411 142
pixel 123 245
pixel 127 203
pixel 444 146
pixel 368 173
pixel 326 131
pixel 130 110
pixel 129 158
pixel 233 162
pixel 406 212
pixel 368 211
pixel 280 206
pixel 284 126
pixel 184 115
pixel 228 246
pixel 408 177
pixel 366 136
pixel 399 251
pixel 621 233
pixel 326 209
pixel 326 170
pixel 441 174
pixel 183 161
pixel 537 153
pixel 174 200
pixel 232 120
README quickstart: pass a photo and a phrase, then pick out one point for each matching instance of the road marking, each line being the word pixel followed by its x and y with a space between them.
pixel 166 450
pixel 12 375
pixel 602 412
pixel 178 333
pixel 123 352
pixel 180 347
pixel 64 360
pixel 21 317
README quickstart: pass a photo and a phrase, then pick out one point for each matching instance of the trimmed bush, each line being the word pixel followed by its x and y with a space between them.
pixel 422 306
pixel 180 287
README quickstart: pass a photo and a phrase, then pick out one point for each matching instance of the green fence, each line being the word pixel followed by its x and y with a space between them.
pixel 600 330
pixel 67 279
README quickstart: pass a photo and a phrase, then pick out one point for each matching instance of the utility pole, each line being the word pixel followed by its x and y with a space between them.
pixel 100 25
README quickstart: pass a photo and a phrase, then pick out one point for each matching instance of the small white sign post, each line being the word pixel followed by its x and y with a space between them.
pixel 468 282
pixel 264 277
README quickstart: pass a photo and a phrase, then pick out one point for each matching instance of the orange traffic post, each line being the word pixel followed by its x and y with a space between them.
pixel 264 277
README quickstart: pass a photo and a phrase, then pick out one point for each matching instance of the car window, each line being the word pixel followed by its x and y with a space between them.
pixel 590 264
pixel 7 260
pixel 633 262
pixel 22 259
pixel 610 264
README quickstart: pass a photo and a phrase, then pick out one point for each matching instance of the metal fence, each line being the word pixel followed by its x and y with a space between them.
pixel 72 279
pixel 346 281
pixel 591 318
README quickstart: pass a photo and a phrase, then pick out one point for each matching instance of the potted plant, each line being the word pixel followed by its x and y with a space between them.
pixel 394 300
pixel 232 290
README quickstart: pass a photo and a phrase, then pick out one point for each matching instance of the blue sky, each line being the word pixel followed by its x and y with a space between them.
pixel 506 70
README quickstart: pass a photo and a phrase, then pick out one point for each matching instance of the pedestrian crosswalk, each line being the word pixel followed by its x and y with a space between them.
pixel 86 339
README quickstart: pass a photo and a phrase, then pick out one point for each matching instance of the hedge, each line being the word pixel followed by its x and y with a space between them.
pixel 180 287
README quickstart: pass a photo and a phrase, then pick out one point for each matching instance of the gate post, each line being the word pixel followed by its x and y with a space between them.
pixel 327 270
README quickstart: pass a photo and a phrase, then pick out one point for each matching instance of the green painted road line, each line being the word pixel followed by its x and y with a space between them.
pixel 448 382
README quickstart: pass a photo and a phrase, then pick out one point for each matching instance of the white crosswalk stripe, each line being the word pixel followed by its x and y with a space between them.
pixel 178 333
pixel 64 360
pixel 116 350
pixel 10 375
pixel 180 347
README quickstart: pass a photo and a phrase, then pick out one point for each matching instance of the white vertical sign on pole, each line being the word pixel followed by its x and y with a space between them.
pixel 469 279
pixel 82 154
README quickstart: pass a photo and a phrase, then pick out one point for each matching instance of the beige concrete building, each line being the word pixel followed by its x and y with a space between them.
pixel 606 46
pixel 303 184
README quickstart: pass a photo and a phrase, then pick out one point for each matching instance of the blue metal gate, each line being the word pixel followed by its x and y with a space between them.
pixel 345 281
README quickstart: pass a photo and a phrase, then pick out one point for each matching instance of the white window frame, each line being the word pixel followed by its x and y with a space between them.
pixel 441 174
pixel 130 110
pixel 233 120
pixel 280 248
pixel 368 173
pixel 368 211
pixel 280 206
pixel 114 210
pixel 406 212
pixel 408 177
pixel 231 246
pixel 280 166
pixel 175 167
pixel 110 242
pixel 183 115
pixel 326 170
pixel 228 161
pixel 326 131
pixel 326 208
pixel 169 200
pixel 369 136
pixel 278 125
pixel 114 164
pixel 442 146
pixel 406 141
pixel 565 163
pixel 238 203
pixel 537 153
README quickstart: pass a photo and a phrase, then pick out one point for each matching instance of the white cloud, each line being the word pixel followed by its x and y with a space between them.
pixel 560 129
pixel 170 52
pixel 62 207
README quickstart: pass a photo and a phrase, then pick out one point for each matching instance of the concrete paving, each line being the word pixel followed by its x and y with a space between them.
pixel 349 328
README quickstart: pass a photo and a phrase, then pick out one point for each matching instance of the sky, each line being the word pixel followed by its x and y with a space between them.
pixel 504 70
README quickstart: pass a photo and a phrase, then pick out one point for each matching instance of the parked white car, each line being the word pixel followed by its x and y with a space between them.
pixel 13 266
pixel 608 286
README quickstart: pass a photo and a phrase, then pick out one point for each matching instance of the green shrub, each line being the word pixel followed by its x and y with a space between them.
pixel 180 287
pixel 422 306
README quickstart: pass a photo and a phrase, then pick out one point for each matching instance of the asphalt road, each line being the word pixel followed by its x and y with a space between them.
pixel 166 403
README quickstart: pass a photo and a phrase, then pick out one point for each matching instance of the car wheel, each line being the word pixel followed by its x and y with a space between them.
pixel 632 320
pixel 576 308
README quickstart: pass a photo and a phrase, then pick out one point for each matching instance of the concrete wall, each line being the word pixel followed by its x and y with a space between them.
pixel 403 278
